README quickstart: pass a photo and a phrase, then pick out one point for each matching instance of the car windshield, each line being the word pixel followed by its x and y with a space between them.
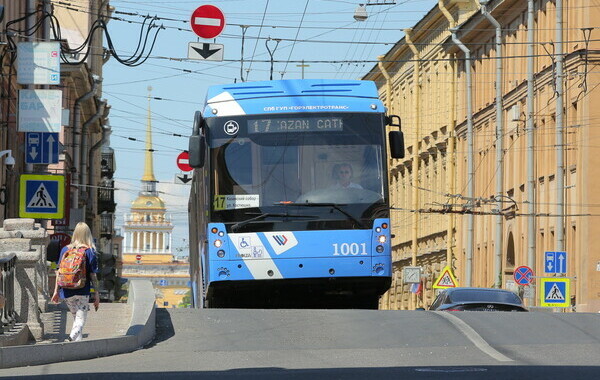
pixel 475 295
pixel 262 162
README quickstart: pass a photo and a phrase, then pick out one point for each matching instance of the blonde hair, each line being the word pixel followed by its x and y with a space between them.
pixel 82 236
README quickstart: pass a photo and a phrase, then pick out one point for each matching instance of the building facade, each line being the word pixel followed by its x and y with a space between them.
pixel 492 177
pixel 83 127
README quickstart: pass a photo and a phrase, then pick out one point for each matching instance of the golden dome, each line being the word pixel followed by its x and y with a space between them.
pixel 148 202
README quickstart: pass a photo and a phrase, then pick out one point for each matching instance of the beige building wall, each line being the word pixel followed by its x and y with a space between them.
pixel 436 242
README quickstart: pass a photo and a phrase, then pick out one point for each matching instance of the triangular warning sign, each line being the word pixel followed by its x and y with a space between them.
pixel 446 280
pixel 554 294
pixel 41 198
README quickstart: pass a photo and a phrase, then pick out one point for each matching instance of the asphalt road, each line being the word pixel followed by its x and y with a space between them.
pixel 352 344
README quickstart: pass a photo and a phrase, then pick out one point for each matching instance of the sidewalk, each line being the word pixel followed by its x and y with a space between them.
pixel 111 320
pixel 115 328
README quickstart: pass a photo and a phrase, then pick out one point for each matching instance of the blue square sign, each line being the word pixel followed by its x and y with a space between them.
pixel 41 148
pixel 555 262
pixel 42 196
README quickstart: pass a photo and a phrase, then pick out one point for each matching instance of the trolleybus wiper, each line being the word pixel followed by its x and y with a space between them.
pixel 332 205
pixel 241 224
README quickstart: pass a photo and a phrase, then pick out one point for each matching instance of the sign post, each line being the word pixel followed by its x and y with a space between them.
pixel 207 21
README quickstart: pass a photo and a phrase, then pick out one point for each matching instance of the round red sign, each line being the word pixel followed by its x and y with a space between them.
pixel 138 257
pixel 207 21
pixel 183 162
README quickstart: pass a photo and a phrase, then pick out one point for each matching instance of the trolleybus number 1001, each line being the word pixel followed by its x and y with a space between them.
pixel 346 249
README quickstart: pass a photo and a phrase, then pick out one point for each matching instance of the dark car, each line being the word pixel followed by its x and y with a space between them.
pixel 477 299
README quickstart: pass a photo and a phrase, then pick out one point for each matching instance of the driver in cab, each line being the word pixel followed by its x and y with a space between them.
pixel 342 174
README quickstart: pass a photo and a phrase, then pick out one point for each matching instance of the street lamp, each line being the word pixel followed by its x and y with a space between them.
pixel 360 14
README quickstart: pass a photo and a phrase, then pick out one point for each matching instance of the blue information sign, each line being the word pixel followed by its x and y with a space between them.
pixel 41 148
pixel 555 262
pixel 42 196
pixel 555 292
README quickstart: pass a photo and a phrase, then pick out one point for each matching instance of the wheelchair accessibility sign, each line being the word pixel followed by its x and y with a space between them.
pixel 555 292
pixel 42 196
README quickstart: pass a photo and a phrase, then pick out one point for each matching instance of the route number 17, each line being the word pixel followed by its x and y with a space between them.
pixel 346 249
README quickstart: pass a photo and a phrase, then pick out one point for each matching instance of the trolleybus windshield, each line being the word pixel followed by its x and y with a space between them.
pixel 259 163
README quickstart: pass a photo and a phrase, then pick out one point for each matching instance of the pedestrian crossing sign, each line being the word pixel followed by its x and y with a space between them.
pixel 446 280
pixel 42 196
pixel 555 292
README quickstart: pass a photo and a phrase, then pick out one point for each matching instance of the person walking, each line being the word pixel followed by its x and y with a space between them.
pixel 77 296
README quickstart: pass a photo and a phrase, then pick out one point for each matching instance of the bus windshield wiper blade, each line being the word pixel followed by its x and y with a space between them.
pixel 335 206
pixel 238 225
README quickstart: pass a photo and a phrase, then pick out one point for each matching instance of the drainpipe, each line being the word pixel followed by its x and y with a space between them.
pixel 106 131
pixel 560 164
pixel 470 167
pixel 77 141
pixel 498 247
pixel 530 145
pixel 85 169
pixel 451 162
pixel 416 150
pixel 388 82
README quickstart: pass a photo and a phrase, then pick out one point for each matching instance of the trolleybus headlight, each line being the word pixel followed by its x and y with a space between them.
pixel 221 233
pixel 218 243
pixel 378 229
pixel 221 253
pixel 379 248
pixel 382 239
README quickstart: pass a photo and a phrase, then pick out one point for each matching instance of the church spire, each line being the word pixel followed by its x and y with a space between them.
pixel 149 163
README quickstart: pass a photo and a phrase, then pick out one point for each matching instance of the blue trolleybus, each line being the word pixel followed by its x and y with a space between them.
pixel 289 202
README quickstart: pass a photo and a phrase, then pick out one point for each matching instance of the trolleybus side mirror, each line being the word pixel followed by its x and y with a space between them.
pixel 396 137
pixel 396 144
pixel 197 145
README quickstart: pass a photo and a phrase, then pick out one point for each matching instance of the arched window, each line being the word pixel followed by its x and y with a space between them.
pixel 510 255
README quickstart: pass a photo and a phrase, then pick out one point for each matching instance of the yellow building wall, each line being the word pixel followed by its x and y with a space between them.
pixel 435 193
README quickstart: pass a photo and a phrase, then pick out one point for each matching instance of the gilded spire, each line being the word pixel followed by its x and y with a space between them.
pixel 149 163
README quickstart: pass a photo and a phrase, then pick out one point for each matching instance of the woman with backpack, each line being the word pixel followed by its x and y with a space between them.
pixel 77 268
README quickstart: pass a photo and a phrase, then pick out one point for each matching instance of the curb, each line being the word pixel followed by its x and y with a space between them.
pixel 141 331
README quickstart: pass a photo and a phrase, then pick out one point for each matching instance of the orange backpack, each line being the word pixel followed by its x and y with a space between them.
pixel 72 269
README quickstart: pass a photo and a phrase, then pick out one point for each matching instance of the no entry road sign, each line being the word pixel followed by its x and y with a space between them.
pixel 207 21
pixel 183 162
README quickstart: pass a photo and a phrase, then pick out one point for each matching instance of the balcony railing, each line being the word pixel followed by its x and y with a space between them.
pixel 106 224
pixel 107 165
pixel 8 314
pixel 152 219
pixel 106 196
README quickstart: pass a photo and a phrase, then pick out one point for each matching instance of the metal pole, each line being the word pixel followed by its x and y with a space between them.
pixel 244 28
pixel 416 158
pixel 499 146
pixel 451 162
pixel 560 165
pixel 530 144
pixel 470 166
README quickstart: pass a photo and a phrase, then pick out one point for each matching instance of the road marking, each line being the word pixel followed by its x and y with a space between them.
pixel 474 337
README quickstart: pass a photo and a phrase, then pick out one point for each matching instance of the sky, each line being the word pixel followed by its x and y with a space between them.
pixel 317 31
